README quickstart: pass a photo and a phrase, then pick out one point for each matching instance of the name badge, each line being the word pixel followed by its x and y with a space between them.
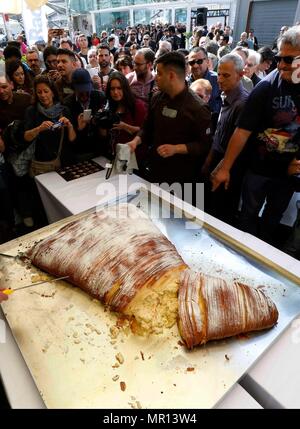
pixel 68 91
pixel 169 113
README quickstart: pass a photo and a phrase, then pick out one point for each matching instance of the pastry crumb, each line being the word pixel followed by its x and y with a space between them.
pixel 120 358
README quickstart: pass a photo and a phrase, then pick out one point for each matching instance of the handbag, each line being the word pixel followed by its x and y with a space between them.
pixel 21 162
pixel 41 167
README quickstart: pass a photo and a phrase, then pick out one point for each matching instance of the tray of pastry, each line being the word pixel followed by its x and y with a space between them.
pixel 79 170
pixel 82 355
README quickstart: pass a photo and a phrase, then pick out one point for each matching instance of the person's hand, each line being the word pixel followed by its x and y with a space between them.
pixel 166 150
pixel 3 296
pixel 45 126
pixel 81 122
pixel 218 176
pixel 294 167
pixel 120 126
pixel 66 122
pixel 97 82
pixel 132 145
pixel 53 75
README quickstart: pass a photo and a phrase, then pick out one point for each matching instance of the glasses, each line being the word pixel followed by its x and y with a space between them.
pixel 193 62
pixel 249 65
pixel 288 59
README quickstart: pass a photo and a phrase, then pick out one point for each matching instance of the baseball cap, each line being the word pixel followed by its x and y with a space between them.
pixel 81 80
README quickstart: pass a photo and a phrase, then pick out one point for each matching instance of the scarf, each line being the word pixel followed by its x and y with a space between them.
pixel 52 112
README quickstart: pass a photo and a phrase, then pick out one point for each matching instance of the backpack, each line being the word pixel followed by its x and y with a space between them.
pixel 18 152
pixel 13 137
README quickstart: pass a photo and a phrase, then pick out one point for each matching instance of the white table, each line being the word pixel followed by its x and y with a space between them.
pixel 62 198
pixel 275 379
pixel 273 382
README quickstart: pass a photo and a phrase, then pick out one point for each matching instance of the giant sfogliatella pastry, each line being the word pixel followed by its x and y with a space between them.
pixel 211 308
pixel 120 257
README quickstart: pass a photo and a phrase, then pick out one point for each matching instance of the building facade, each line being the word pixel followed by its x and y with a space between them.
pixel 106 14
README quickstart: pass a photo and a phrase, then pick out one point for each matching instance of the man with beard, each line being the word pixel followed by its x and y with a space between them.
pixel 269 125
pixel 66 64
pixel 198 62
pixel 101 80
pixel 142 79
pixel 33 60
pixel 177 129
pixel 132 39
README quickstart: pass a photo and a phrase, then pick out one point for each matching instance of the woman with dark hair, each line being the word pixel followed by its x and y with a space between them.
pixel 130 111
pixel 19 76
pixel 46 120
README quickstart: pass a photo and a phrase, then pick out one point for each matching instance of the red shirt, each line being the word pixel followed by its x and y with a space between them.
pixel 137 120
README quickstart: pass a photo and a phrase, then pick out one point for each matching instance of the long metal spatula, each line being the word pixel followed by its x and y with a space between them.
pixel 10 291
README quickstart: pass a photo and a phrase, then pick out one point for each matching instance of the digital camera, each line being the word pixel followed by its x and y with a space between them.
pixel 56 126
pixel 106 119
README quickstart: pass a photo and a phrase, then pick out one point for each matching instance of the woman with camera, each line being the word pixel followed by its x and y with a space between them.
pixel 47 131
pixel 46 121
pixel 129 111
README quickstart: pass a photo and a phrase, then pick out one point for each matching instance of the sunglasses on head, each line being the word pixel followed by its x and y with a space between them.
pixel 193 62
pixel 288 59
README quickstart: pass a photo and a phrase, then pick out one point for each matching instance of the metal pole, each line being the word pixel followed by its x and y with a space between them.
pixel 69 20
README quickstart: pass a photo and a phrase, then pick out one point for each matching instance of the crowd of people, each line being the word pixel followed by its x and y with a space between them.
pixel 201 109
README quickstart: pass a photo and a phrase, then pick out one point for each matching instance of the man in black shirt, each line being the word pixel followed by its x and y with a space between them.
pixel 177 128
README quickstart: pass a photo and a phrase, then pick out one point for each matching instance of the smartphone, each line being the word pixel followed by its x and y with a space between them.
pixel 57 32
pixel 87 114
pixel 93 71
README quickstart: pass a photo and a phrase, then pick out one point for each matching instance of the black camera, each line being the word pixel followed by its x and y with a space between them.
pixel 106 119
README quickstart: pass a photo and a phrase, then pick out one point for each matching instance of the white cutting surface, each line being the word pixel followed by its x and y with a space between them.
pixel 65 339
pixel 51 340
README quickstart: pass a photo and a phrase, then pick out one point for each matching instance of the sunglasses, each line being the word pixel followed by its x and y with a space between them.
pixel 288 59
pixel 193 62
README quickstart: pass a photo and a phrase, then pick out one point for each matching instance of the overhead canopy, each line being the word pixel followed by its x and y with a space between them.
pixel 15 6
